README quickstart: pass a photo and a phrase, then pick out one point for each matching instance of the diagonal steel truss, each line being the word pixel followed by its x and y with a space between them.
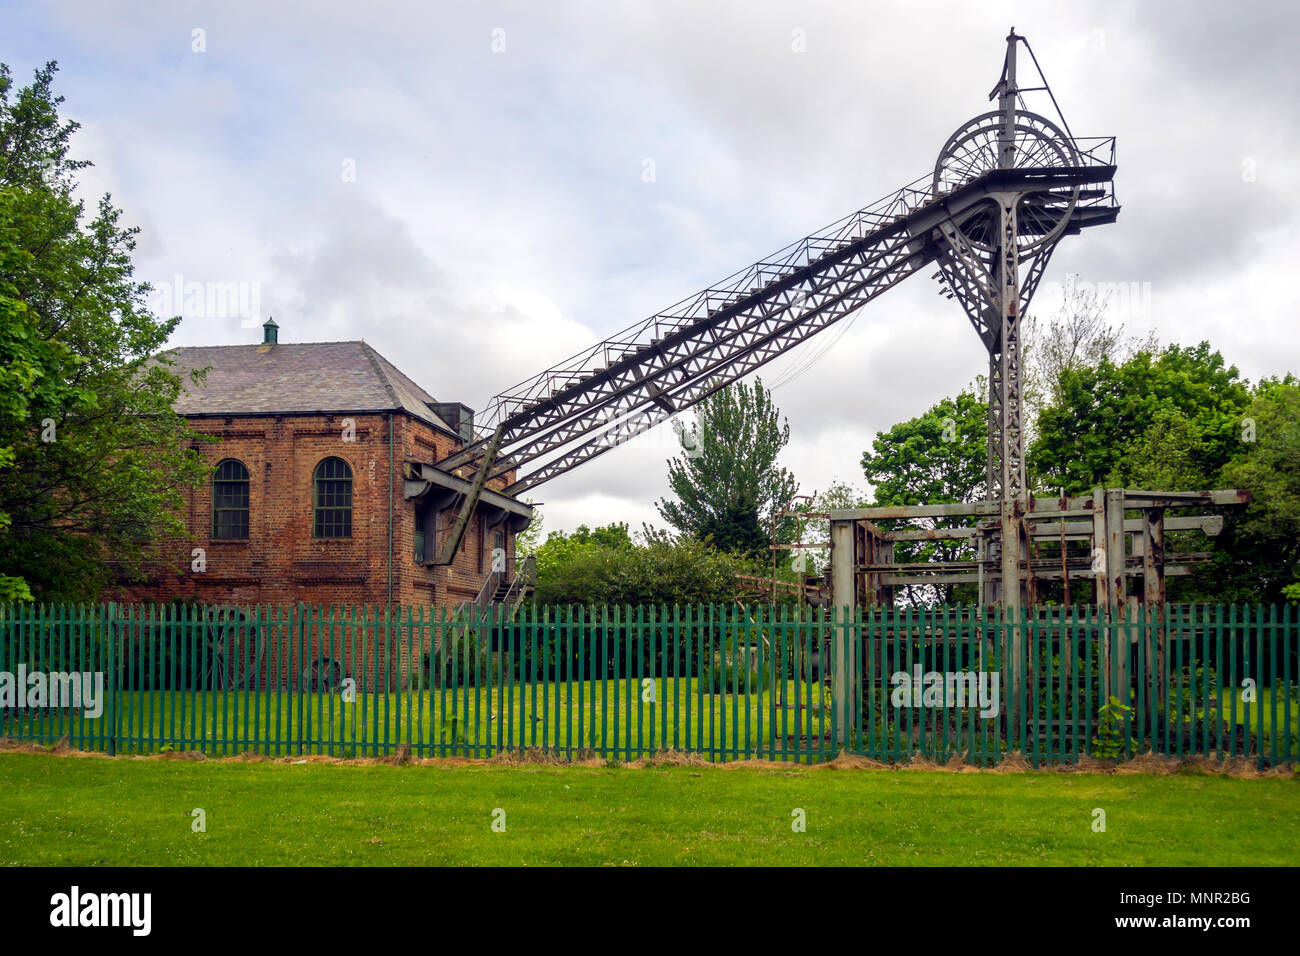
pixel 640 377
pixel 680 356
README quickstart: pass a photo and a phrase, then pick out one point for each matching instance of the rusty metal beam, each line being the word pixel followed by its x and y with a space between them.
pixel 1051 528
pixel 452 544
pixel 1047 574
pixel 1133 566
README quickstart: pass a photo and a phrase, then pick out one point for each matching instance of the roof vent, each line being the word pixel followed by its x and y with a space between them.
pixel 270 331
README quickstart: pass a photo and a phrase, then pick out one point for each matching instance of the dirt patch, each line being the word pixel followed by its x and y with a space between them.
pixel 1012 762
pixel 527 755
pixel 23 747
pixel 922 762
pixel 1150 764
pixel 671 758
pixel 449 762
pixel 783 766
pixel 1227 767
pixel 193 755
pixel 847 761
pixel 1086 764
pixel 1283 770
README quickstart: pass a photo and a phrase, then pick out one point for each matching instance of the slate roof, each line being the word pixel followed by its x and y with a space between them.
pixel 305 377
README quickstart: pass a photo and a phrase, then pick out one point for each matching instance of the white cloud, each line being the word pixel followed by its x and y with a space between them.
pixel 500 220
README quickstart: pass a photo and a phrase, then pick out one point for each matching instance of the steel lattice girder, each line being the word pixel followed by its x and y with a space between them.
pixel 792 296
pixel 711 368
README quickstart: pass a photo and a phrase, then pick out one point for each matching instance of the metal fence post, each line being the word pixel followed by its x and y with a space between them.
pixel 111 681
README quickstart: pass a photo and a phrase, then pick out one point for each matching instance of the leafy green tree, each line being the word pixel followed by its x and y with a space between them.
pixel 93 459
pixel 528 540
pixel 727 482
pixel 1170 418
pixel 737 528
pixel 938 457
pixel 1259 554
pixel 1176 420
pixel 671 570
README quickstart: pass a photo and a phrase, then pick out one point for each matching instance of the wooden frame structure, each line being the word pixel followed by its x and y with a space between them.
pixel 1118 535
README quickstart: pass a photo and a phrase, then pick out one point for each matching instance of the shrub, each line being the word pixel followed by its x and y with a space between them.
pixel 461 659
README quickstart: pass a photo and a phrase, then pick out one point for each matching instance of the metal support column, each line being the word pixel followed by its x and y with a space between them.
pixel 1116 648
pixel 1153 595
pixel 845 637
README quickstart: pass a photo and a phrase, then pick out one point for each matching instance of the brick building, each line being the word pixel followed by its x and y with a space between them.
pixel 324 489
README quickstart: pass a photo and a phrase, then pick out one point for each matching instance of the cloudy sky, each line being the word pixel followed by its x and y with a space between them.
pixel 464 185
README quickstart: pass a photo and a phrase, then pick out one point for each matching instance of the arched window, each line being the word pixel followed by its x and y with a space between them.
pixel 333 499
pixel 230 500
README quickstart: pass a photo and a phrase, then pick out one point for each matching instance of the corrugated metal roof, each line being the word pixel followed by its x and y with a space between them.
pixel 305 377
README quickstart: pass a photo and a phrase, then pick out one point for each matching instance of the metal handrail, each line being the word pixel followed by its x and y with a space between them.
pixel 1094 151
pixel 524 576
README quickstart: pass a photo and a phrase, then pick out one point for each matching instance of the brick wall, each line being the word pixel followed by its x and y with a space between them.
pixel 281 562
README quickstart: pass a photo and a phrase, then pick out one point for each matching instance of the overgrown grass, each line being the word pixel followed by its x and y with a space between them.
pixel 99 811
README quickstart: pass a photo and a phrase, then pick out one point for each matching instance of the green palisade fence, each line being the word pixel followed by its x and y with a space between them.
pixel 725 682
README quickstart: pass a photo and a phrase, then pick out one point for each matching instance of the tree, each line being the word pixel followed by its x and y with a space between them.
pixel 727 482
pixel 1077 336
pixel 530 539
pixel 1173 420
pixel 938 457
pixel 93 459
pixel 1259 554
pixel 1168 416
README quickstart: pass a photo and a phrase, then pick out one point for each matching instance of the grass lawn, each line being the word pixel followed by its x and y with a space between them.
pixel 616 718
pixel 96 811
